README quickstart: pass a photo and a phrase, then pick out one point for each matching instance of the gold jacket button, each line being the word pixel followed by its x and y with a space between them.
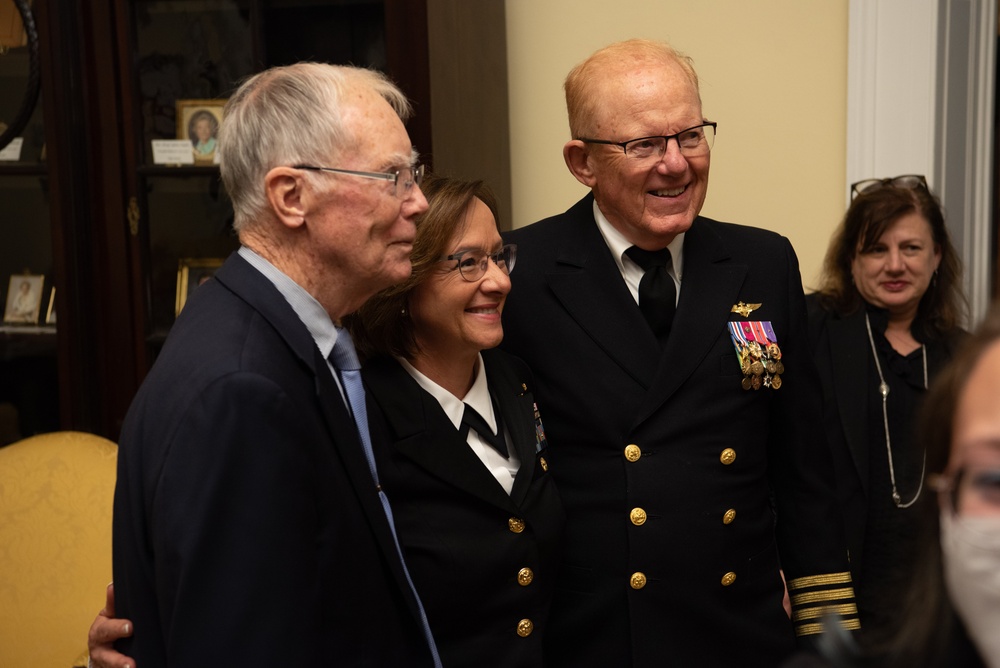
pixel 638 516
pixel 544 464
pixel 516 524
pixel 525 576
pixel 638 580
pixel 632 452
pixel 728 516
pixel 525 627
pixel 728 579
pixel 728 456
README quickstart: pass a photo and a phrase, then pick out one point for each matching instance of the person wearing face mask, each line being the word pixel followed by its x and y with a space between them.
pixel 962 424
pixel 882 325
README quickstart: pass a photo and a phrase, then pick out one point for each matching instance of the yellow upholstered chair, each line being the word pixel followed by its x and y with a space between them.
pixel 56 493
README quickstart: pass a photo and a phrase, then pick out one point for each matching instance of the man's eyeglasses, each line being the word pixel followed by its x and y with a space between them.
pixel 472 264
pixel 906 181
pixel 402 180
pixel 693 142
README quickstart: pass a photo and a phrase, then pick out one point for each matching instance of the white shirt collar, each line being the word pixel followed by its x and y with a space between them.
pixel 618 244
pixel 310 312
pixel 454 407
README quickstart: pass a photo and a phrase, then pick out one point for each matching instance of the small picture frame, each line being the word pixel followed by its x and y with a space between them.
pixel 198 122
pixel 24 299
pixel 191 273
pixel 50 313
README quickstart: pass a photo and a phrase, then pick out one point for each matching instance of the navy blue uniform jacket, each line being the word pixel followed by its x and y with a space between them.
pixel 673 549
pixel 247 528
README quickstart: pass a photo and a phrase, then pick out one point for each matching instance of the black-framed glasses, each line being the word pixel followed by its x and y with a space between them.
pixel 906 181
pixel 472 263
pixel 403 180
pixel 693 142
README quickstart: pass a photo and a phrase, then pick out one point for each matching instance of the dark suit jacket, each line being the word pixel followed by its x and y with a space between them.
pixel 844 359
pixel 247 530
pixel 454 519
pixel 604 383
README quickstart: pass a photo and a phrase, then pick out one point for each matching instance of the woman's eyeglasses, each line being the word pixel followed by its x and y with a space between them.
pixel 472 264
pixel 906 181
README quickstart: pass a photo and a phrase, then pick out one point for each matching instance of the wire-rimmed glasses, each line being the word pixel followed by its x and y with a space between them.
pixel 407 177
pixel 906 181
pixel 472 263
pixel 693 142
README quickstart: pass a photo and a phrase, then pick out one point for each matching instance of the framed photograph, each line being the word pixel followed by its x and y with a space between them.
pixel 191 273
pixel 198 122
pixel 24 299
pixel 50 314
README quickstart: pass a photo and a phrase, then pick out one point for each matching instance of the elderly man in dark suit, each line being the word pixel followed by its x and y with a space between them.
pixel 682 407
pixel 249 529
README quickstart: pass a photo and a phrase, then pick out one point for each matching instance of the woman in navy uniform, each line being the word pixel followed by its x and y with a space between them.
pixel 479 522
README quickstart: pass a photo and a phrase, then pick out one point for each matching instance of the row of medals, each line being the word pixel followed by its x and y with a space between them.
pixel 761 366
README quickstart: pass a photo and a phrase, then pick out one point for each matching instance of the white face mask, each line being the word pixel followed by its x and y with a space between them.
pixel 970 548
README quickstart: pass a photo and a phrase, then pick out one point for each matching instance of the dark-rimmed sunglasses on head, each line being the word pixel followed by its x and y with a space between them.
pixel 906 181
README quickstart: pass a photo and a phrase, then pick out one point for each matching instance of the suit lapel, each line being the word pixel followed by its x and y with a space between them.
pixel 587 282
pixel 710 287
pixel 254 288
pixel 850 351
pixel 517 407
pixel 420 431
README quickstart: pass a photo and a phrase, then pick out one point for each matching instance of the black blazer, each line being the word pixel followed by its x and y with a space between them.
pixel 844 359
pixel 247 528
pixel 651 541
pixel 466 542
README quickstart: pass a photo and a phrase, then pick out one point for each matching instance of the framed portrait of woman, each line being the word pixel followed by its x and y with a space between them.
pixel 24 299
pixel 198 122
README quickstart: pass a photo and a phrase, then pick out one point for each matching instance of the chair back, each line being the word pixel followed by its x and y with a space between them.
pixel 56 493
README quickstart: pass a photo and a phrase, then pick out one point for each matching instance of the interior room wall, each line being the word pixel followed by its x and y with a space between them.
pixel 773 75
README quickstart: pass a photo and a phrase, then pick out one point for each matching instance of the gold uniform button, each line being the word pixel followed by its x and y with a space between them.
pixel 544 464
pixel 525 576
pixel 728 516
pixel 516 524
pixel 638 516
pixel 728 579
pixel 728 456
pixel 632 452
pixel 638 580
pixel 525 627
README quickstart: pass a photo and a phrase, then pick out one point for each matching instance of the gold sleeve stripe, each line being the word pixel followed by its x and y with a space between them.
pixel 813 629
pixel 818 580
pixel 822 596
pixel 819 611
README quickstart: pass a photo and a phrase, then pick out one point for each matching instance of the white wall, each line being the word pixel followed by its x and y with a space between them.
pixel 774 76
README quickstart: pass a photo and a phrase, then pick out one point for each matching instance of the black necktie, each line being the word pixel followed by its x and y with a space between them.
pixel 470 418
pixel 657 293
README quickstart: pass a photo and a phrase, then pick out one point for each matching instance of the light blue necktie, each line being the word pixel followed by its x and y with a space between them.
pixel 345 359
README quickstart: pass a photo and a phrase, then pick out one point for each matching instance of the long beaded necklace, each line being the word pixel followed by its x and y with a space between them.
pixel 883 389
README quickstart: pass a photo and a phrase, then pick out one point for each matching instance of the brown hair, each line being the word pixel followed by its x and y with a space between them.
pixel 581 101
pixel 383 326
pixel 942 307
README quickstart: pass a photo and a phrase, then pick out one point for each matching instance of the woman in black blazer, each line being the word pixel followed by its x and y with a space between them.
pixel 476 511
pixel 882 325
